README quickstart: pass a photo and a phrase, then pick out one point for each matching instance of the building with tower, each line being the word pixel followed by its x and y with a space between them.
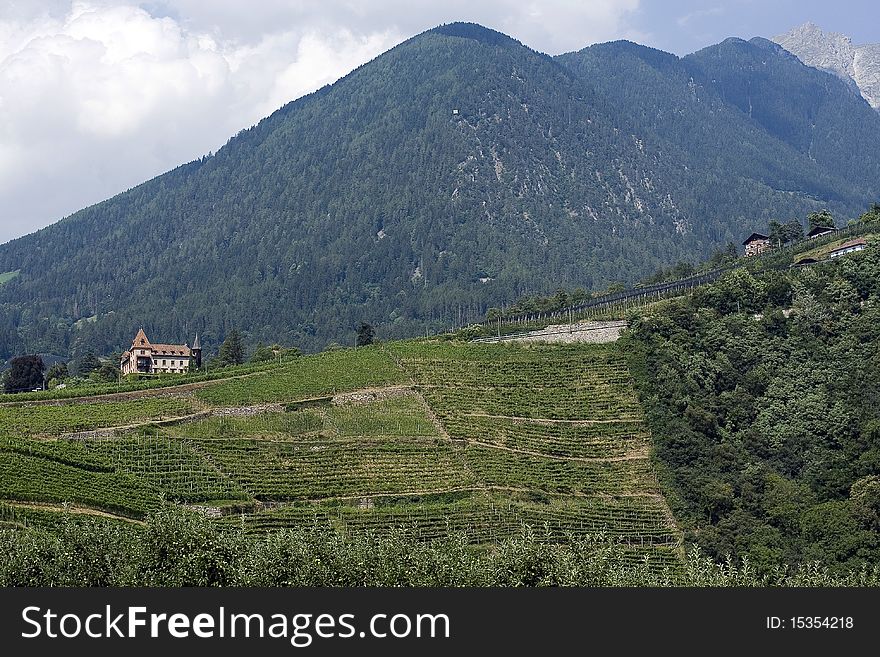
pixel 145 357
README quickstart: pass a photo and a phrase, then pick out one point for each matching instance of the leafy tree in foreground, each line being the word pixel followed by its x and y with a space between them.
pixel 262 354
pixel 88 363
pixel 232 350
pixel 820 219
pixel 177 548
pixel 26 374
pixel 365 334
pixel 57 373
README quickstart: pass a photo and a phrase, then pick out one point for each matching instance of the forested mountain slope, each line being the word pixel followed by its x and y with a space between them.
pixel 459 170
pixel 761 392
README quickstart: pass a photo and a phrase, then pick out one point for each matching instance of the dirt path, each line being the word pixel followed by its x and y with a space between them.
pixel 595 332
pixel 368 395
pixel 110 432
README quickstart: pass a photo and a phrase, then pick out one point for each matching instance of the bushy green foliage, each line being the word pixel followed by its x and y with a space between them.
pixel 820 219
pixel 25 374
pixel 762 394
pixel 232 350
pixel 180 549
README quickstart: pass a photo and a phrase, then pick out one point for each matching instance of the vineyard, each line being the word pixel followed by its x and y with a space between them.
pixel 314 376
pixel 53 420
pixel 479 440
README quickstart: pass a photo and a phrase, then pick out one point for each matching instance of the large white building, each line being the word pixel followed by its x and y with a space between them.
pixel 145 357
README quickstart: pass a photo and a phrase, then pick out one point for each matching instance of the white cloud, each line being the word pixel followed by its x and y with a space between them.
pixel 687 19
pixel 98 96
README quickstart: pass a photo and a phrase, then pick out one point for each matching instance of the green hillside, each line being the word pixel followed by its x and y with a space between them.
pixel 741 418
pixel 458 171
pixel 433 438
pixel 762 394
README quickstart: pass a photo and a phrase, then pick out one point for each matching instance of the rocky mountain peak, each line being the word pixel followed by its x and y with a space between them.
pixel 858 65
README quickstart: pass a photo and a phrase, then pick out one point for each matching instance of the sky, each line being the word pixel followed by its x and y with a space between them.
pixel 97 96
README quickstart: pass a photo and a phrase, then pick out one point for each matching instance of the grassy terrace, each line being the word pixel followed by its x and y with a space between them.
pixel 434 436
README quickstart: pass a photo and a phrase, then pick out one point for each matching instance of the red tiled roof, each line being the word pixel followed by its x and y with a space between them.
pixel 142 342
pixel 141 339
pixel 171 350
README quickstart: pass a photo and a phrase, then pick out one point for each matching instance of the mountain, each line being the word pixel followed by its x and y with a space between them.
pixel 459 170
pixel 775 130
pixel 859 66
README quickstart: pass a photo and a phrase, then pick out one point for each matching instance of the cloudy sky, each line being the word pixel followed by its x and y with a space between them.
pixel 97 96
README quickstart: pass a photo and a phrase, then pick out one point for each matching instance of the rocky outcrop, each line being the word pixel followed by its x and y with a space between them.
pixel 858 65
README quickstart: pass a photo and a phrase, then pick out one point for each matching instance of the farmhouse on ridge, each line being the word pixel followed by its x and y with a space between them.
pixel 821 231
pixel 848 247
pixel 144 357
pixel 756 243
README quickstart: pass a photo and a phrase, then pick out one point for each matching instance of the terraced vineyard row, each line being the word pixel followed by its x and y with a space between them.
pixel 546 403
pixel 268 426
pixel 320 468
pixel 169 466
pixel 495 467
pixel 605 440
pixel 630 520
pixel 53 420
pixel 561 382
pixel 35 479
pixel 25 515
pixel 66 452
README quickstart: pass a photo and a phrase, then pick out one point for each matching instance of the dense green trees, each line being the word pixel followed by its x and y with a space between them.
pixel 25 374
pixel 178 548
pixel 57 374
pixel 820 219
pixel 872 216
pixel 232 350
pixel 88 363
pixel 262 354
pixel 788 233
pixel 763 396
pixel 365 334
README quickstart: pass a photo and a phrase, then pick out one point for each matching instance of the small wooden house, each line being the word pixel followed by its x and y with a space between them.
pixel 756 243
pixel 848 247
pixel 820 231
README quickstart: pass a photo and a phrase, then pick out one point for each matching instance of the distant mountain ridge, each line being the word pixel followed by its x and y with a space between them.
pixel 457 171
pixel 859 65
